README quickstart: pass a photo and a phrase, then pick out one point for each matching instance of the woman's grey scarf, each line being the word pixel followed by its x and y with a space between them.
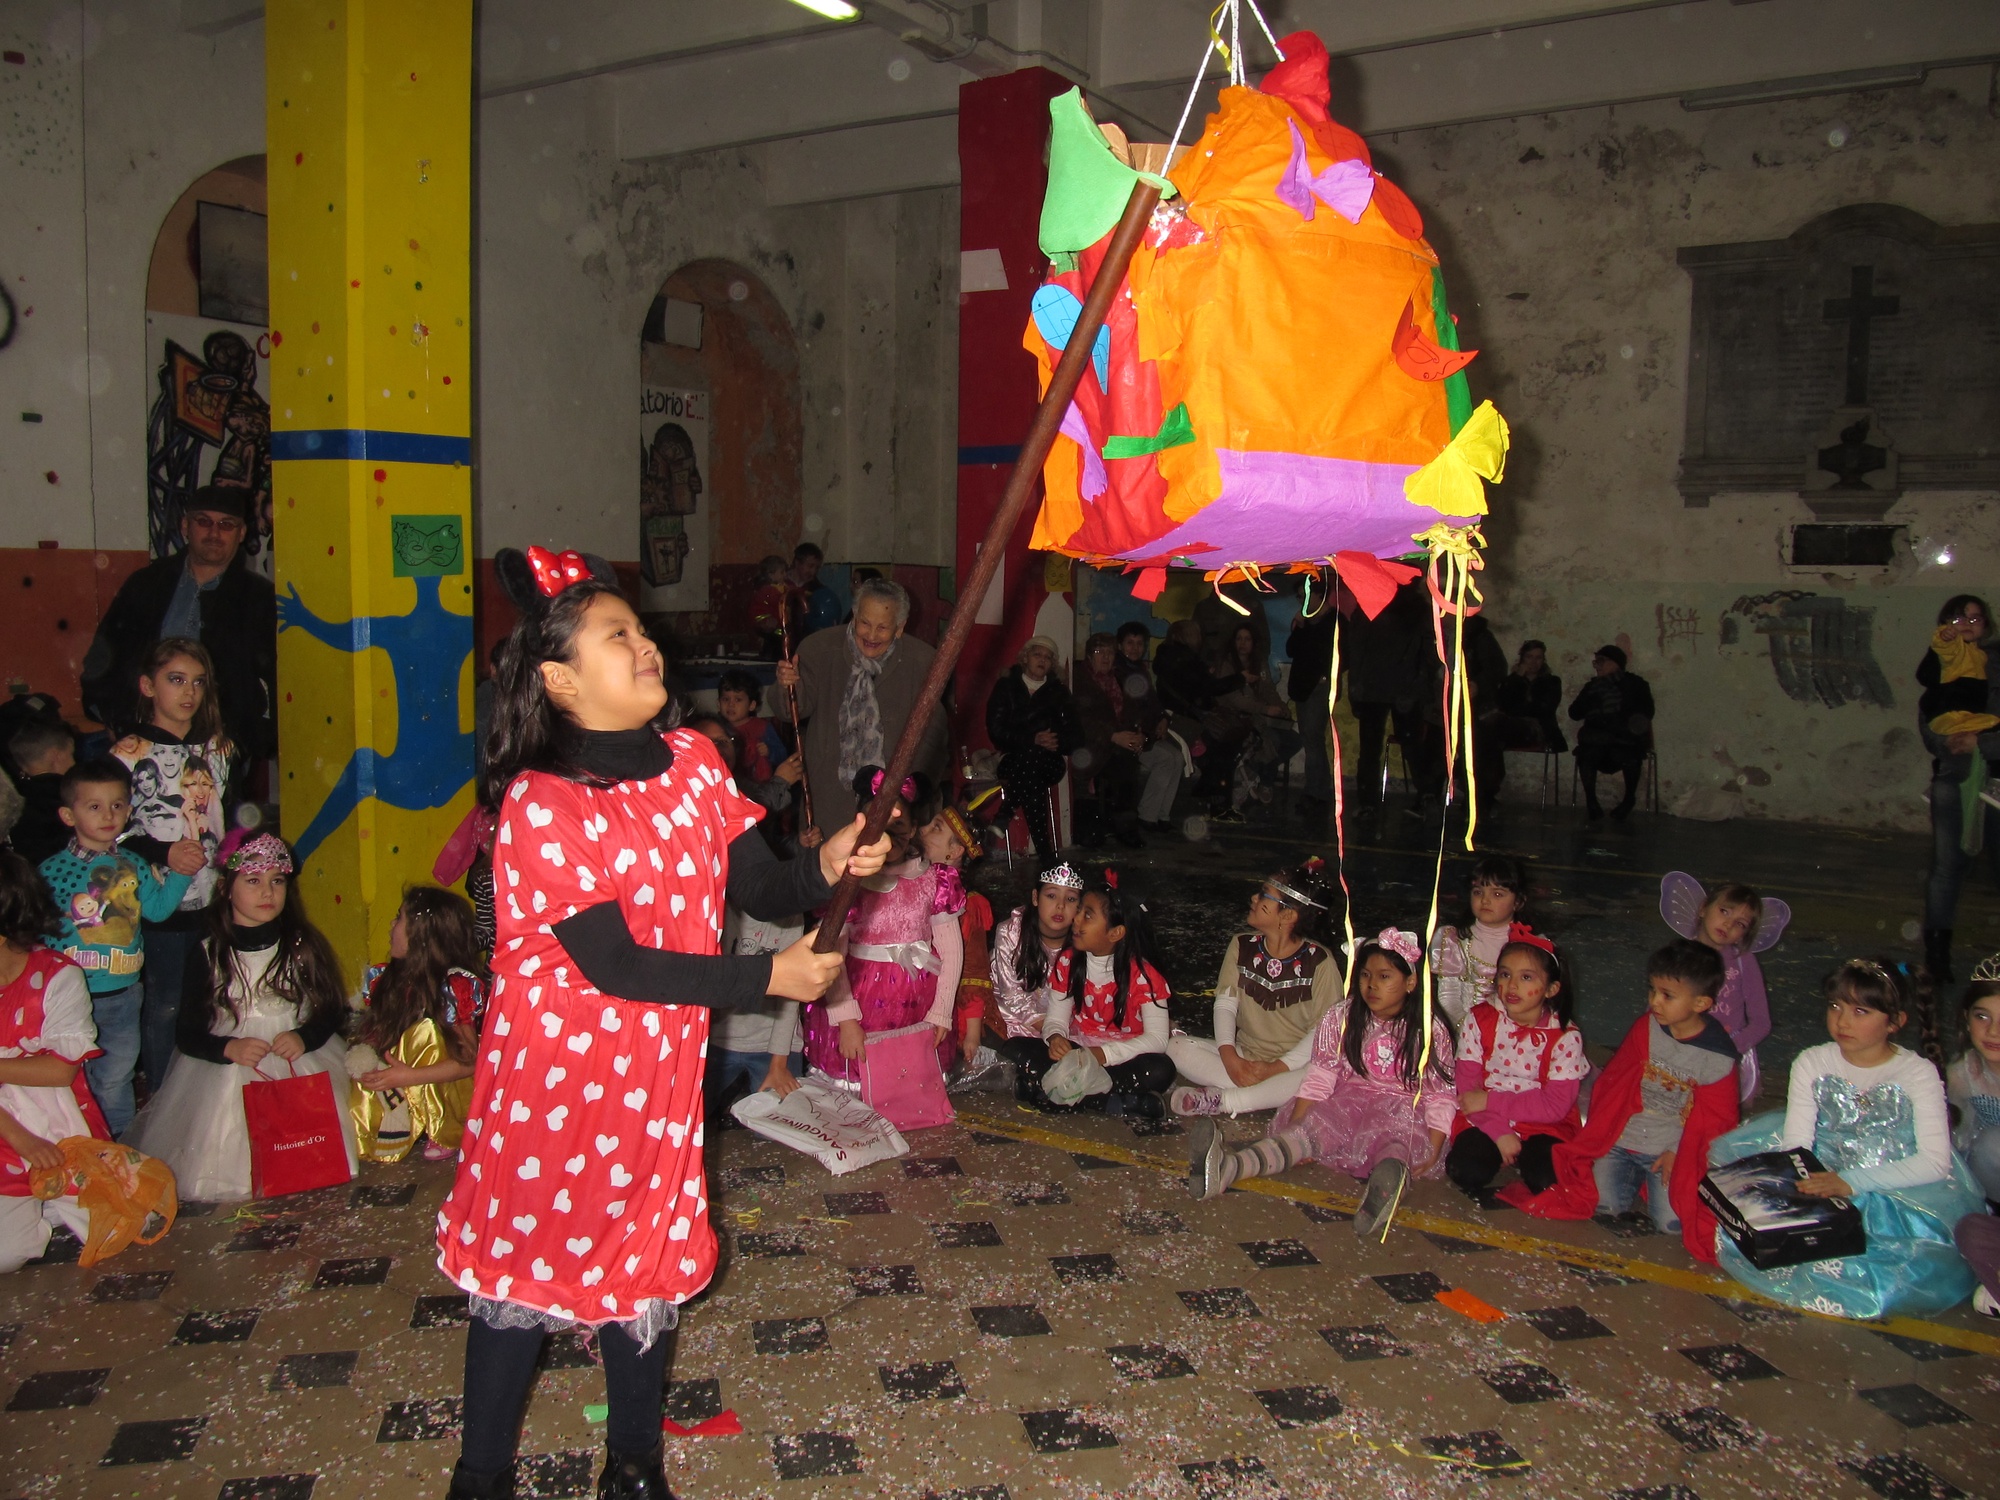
pixel 860 713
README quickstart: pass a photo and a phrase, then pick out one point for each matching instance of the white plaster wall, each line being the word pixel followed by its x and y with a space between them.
pixel 1583 212
pixel 43 369
pixel 574 244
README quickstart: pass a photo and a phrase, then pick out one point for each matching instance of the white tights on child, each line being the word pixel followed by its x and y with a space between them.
pixel 1200 1061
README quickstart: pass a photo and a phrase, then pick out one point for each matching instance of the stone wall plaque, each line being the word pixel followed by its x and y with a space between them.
pixel 1868 315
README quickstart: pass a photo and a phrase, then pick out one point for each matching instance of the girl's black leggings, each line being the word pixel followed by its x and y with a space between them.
pixel 1474 1161
pixel 500 1371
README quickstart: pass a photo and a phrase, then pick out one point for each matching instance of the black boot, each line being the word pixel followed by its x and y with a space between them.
pixel 633 1476
pixel 1937 954
pixel 466 1485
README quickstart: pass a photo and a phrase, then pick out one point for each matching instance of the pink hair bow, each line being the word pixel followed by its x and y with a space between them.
pixel 908 790
pixel 1403 944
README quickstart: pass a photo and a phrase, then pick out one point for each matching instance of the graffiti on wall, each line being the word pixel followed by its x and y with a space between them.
pixel 1822 649
pixel 673 498
pixel 427 649
pixel 210 424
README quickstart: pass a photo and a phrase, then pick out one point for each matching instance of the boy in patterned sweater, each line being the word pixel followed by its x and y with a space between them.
pixel 102 892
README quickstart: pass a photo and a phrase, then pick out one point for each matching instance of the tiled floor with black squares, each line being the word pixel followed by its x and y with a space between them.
pixel 986 1318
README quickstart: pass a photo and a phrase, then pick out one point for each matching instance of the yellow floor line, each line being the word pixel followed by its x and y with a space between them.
pixel 1701 1283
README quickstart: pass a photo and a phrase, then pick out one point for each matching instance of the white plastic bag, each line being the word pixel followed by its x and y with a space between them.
pixel 827 1123
pixel 1077 1076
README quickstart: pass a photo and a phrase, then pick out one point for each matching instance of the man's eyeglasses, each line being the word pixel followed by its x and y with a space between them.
pixel 205 521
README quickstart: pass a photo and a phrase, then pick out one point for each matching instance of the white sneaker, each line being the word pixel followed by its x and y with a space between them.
pixel 1985 1302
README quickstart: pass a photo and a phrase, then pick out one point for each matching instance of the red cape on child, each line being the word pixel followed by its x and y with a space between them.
pixel 1613 1101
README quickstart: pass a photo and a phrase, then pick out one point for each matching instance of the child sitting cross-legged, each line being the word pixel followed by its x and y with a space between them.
pixel 410 1068
pixel 1277 981
pixel 1371 1105
pixel 1669 1091
pixel 1520 1065
pixel 1105 994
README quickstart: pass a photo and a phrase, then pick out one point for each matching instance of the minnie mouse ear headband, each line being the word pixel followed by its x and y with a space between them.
pixel 1521 935
pixel 244 853
pixel 1394 940
pixel 531 579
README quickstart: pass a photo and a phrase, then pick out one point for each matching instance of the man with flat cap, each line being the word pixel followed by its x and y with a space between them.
pixel 205 592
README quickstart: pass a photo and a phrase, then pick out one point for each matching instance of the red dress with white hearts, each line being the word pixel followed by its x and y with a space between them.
pixel 579 1192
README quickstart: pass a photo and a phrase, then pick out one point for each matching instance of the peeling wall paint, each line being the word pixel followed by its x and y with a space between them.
pixel 1782 692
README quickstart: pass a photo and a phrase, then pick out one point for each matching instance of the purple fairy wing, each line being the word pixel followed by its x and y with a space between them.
pixel 1681 900
pixel 1777 916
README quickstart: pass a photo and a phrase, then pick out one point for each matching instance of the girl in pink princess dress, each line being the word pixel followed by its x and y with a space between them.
pixel 580 1200
pixel 902 944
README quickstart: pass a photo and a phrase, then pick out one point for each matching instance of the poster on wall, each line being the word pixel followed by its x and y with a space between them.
pixel 209 423
pixel 674 498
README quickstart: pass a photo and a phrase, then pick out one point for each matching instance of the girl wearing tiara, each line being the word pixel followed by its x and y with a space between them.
pixel 1370 1106
pixel 1277 981
pixel 1026 945
pixel 261 998
pixel 1104 993
pixel 1874 1115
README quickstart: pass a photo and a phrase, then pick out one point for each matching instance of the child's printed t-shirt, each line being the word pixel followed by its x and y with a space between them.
pixel 1674 1070
pixel 102 899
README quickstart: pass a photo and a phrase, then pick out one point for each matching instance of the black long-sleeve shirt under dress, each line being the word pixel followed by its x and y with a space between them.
pixel 758 883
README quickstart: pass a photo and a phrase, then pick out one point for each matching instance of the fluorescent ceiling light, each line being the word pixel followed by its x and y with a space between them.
pixel 833 10
pixel 1805 88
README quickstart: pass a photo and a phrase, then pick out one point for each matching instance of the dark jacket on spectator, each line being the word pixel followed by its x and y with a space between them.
pixel 1311 649
pixel 1615 710
pixel 239 625
pixel 40 830
pixel 1536 699
pixel 1183 680
pixel 1388 658
pixel 1014 716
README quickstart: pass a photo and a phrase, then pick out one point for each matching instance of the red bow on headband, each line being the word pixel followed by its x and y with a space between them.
pixel 556 571
pixel 1521 932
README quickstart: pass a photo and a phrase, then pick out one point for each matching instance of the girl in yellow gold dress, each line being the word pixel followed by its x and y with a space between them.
pixel 411 1063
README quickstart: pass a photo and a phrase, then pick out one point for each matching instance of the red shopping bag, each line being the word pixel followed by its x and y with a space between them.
pixel 295 1136
pixel 901 1079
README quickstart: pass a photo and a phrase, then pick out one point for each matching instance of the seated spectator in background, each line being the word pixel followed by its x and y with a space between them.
pixel 1529 699
pixel 771 606
pixel 762 748
pixel 1131 766
pixel 1187 691
pixel 1615 712
pixel 1250 704
pixel 1032 721
pixel 817 605
pixel 856 689
pixel 42 751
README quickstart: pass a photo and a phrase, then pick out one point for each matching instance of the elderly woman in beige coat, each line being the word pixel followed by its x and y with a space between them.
pixel 857 687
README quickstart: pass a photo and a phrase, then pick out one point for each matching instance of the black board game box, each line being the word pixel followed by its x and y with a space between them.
pixel 1760 1208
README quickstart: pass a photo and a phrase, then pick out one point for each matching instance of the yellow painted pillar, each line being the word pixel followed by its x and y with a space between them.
pixel 369 130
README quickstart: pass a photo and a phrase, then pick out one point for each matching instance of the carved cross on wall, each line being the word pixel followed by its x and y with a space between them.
pixel 1859 307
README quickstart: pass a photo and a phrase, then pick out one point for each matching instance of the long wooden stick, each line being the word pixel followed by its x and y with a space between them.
pixel 792 705
pixel 1020 486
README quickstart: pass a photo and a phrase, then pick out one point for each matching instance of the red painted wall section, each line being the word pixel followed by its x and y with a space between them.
pixel 51 600
pixel 1003 129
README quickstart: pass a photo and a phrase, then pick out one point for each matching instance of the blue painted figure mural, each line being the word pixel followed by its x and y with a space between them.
pixel 432 760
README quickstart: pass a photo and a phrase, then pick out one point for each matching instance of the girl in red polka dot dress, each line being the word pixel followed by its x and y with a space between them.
pixel 580 1199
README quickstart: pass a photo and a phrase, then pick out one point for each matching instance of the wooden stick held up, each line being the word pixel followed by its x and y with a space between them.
pixel 792 705
pixel 1041 437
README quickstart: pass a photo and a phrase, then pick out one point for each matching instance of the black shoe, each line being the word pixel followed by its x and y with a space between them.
pixel 633 1476
pixel 1622 811
pixel 466 1485
pixel 1593 813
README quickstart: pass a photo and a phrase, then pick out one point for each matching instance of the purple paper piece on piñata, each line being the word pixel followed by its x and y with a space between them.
pixel 1096 480
pixel 1286 507
pixel 1345 186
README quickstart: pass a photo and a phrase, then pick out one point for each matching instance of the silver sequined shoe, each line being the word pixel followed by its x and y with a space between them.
pixel 1378 1202
pixel 1205 1155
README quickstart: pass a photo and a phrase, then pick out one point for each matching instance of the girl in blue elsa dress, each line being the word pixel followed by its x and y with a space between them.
pixel 1874 1114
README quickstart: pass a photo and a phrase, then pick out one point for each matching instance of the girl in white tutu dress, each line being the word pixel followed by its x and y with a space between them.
pixel 262 999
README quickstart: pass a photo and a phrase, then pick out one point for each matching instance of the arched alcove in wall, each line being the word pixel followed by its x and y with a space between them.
pixel 721 443
pixel 208 352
